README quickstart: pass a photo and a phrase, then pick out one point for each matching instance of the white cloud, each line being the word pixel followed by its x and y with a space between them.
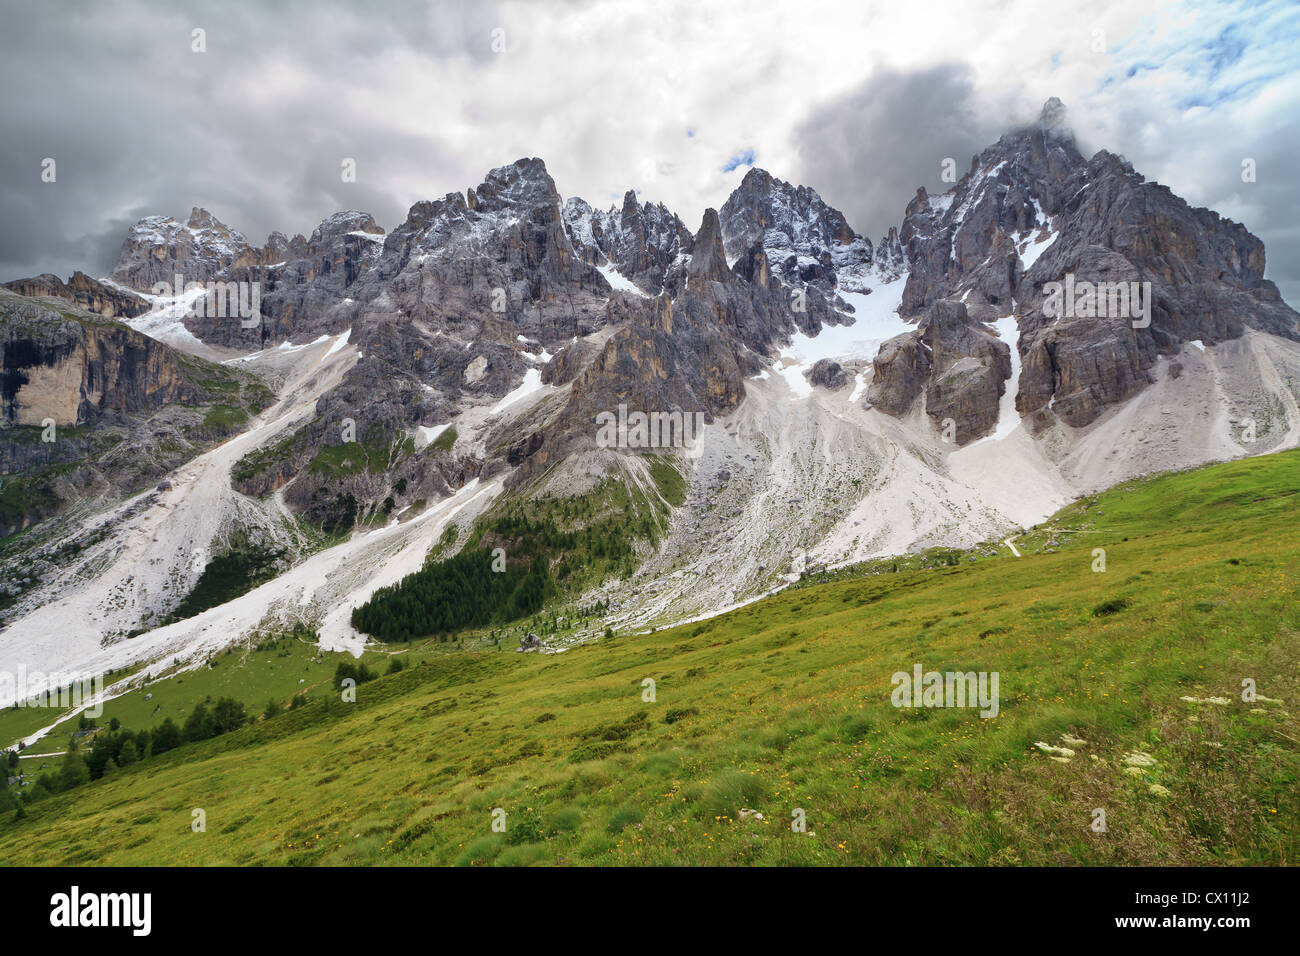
pixel 605 92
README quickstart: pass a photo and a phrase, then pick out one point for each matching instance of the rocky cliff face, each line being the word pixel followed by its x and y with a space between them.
pixel 301 281
pixel 1032 211
pixel 61 367
pixel 89 406
pixel 81 290
pixel 1115 228
pixel 969 368
pixel 967 243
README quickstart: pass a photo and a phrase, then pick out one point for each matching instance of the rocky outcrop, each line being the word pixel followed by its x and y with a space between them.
pixel 828 373
pixel 969 370
pixel 158 248
pixel 279 249
pixel 669 358
pixel 1032 211
pixel 452 307
pixel 889 257
pixel 960 366
pixel 900 372
pixel 565 365
pixel 81 290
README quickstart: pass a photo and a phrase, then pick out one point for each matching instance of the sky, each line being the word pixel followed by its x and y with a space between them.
pixel 861 100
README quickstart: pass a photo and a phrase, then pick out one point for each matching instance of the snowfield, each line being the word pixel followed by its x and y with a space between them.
pixel 874 321
pixel 620 282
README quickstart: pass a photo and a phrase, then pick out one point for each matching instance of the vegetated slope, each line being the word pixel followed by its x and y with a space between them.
pixel 463 591
pixel 784 706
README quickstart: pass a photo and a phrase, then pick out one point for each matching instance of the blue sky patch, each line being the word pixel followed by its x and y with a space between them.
pixel 743 158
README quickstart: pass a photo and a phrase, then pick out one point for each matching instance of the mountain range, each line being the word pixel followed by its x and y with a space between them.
pixel 1049 327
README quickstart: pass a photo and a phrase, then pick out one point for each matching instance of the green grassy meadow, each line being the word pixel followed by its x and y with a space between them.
pixel 783 708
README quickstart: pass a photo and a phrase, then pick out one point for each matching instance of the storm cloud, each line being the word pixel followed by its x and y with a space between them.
pixel 860 101
pixel 869 150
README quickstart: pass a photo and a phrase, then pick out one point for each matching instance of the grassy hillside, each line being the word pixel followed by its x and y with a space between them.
pixel 784 706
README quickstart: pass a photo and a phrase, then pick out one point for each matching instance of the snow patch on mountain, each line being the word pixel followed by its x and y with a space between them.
pixel 1008 418
pixel 426 435
pixel 875 320
pixel 531 386
pixel 1037 240
pixel 621 283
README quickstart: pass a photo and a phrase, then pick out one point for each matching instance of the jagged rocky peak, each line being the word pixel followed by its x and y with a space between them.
pixel 277 247
pixel 890 257
pixel 523 184
pixel 343 223
pixel 972 241
pixel 280 248
pixel 806 241
pixel 1053 119
pixel 304 283
pixel 157 248
pixel 1045 150
pixel 429 225
pixel 648 243
pixel 709 259
pixel 200 218
pixel 476 270
pixel 522 192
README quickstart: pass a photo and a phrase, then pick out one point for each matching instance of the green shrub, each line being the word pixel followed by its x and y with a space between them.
pixel 622 818
pixel 1113 606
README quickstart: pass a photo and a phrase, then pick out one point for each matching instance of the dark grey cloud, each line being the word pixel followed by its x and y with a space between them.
pixel 255 128
pixel 867 151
